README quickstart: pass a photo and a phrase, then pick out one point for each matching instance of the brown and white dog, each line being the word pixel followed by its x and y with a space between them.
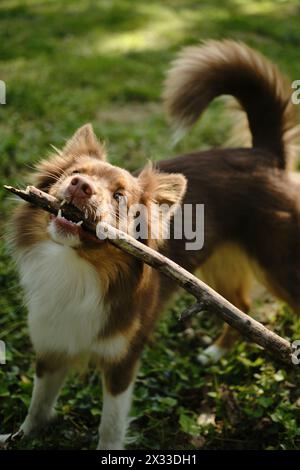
pixel 87 298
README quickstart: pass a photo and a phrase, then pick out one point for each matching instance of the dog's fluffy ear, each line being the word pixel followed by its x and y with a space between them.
pixel 84 142
pixel 163 188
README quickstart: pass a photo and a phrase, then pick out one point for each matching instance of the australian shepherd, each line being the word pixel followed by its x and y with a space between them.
pixel 88 299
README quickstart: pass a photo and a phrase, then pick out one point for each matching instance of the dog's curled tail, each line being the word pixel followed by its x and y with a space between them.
pixel 201 73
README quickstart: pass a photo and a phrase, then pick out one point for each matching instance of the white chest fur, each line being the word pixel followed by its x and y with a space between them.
pixel 64 299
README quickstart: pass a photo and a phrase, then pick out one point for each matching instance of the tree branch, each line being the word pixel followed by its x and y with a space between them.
pixel 206 298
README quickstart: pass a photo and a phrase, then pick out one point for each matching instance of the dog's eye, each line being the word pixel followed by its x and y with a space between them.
pixel 75 172
pixel 118 196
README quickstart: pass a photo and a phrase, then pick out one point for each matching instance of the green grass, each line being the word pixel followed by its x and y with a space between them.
pixel 69 62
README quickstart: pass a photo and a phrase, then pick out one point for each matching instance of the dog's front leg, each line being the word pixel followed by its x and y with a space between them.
pixel 47 383
pixel 45 392
pixel 118 383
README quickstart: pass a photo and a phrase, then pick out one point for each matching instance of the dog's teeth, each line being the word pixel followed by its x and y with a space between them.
pixel 59 213
pixel 80 222
pixel 63 202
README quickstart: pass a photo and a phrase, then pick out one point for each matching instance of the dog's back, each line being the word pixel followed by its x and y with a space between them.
pixel 250 201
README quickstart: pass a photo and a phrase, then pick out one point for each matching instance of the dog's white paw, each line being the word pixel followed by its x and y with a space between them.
pixel 110 446
pixel 6 439
pixel 211 355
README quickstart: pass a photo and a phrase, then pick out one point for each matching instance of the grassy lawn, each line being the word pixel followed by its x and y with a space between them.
pixel 73 61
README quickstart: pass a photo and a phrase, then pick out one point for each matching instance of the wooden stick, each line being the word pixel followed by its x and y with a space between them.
pixel 206 297
pixel 192 309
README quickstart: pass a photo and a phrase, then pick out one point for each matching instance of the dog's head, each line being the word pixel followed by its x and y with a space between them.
pixel 81 175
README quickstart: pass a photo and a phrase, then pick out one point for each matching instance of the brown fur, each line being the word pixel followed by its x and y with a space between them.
pixel 128 285
pixel 251 204
pixel 227 67
pixel 252 211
